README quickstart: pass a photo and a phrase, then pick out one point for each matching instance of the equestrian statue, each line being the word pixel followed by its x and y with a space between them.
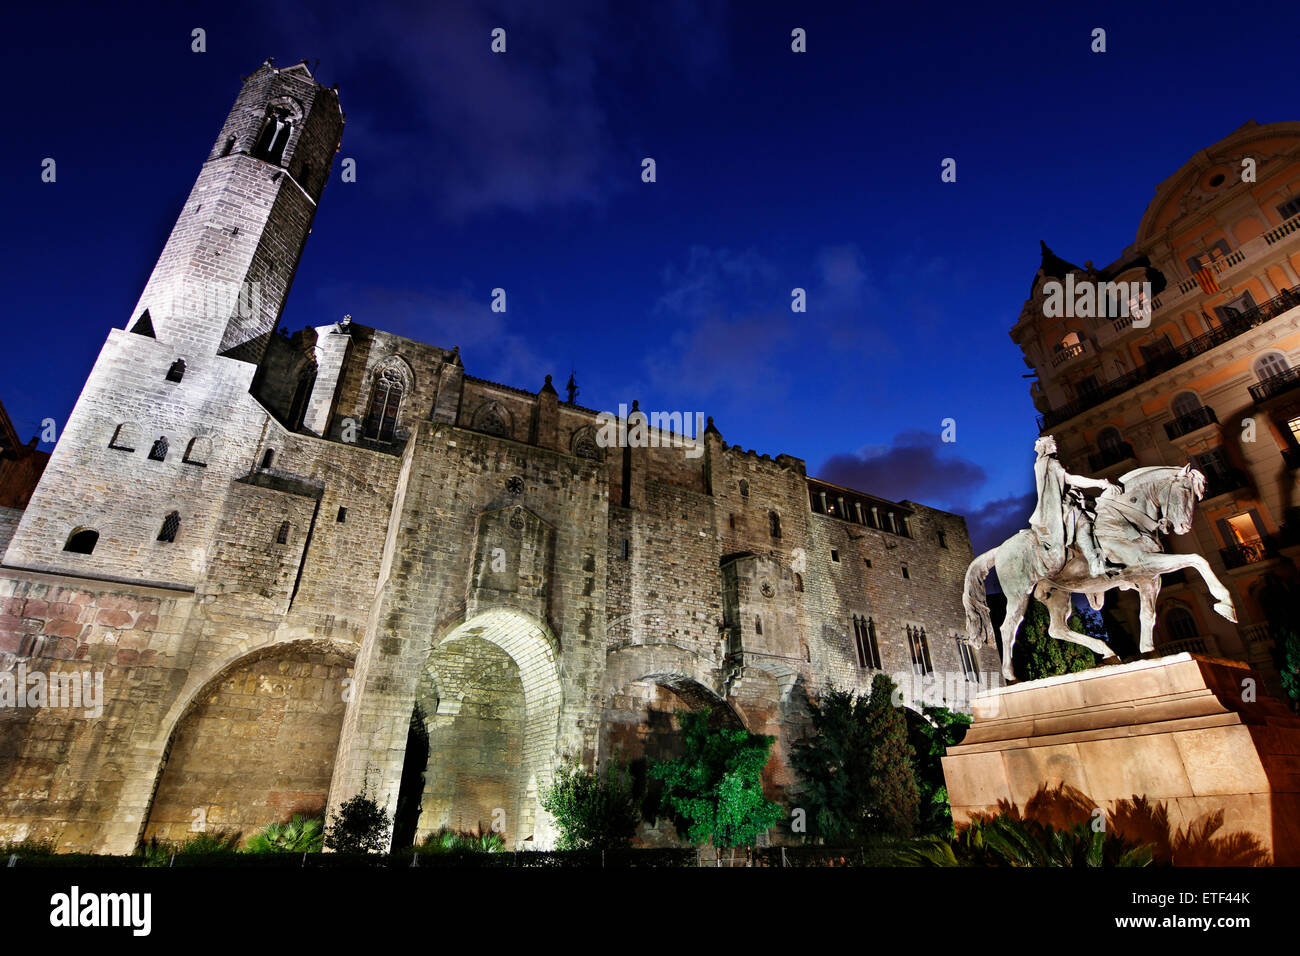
pixel 1077 544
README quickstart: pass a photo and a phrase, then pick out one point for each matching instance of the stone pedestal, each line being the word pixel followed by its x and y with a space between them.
pixel 1181 730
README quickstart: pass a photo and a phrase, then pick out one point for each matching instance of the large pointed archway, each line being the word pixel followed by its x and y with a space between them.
pixel 490 695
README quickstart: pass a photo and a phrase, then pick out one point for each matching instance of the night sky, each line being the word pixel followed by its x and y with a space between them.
pixel 775 170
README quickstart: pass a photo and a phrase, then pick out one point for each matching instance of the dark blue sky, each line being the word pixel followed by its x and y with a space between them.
pixel 819 170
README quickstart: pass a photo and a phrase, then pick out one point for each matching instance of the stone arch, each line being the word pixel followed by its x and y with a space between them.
pixel 584 444
pixel 491 695
pixel 493 418
pixel 252 744
pixel 644 686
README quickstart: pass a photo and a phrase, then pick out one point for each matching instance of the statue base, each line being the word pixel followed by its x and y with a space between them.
pixel 1190 732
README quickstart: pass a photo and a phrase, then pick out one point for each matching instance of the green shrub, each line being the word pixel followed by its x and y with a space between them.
pixel 360 825
pixel 28 847
pixel 857 768
pixel 448 840
pixel 159 852
pixel 300 835
pixel 716 785
pixel 592 812
pixel 1007 840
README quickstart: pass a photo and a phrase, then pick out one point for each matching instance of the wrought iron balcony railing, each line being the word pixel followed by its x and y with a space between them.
pixel 1191 421
pixel 1110 456
pixel 1221 482
pixel 1249 552
pixel 1276 384
pixel 1237 325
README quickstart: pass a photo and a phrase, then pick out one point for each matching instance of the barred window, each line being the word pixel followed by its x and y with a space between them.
pixel 282 536
pixel 159 450
pixel 171 524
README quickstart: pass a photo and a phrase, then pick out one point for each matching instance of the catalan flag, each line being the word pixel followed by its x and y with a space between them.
pixel 1206 279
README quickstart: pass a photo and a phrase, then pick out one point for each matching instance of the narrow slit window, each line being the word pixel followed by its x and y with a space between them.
pixel 343 515
pixel 282 536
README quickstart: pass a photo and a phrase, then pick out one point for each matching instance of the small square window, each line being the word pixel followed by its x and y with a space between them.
pixel 835 555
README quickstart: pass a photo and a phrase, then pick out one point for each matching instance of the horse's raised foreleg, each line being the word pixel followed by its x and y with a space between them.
pixel 1164 563
pixel 1058 606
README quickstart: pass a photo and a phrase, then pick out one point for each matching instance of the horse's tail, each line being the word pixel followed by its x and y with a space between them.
pixel 979 625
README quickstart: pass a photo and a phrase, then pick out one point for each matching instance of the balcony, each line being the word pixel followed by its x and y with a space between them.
pixel 1240 323
pixel 1255 633
pixel 1276 384
pixel 1249 552
pixel 1190 645
pixel 1190 422
pixel 1224 482
pixel 1101 460
pixel 1069 354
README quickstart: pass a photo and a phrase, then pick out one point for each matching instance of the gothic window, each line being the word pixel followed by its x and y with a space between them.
pixel 282 536
pixel 744 488
pixel 124 437
pixel 177 371
pixel 385 401
pixel 919 650
pixel 301 396
pixel 969 666
pixel 82 541
pixel 493 419
pixel 198 451
pixel 1274 363
pixel 159 450
pixel 774 521
pixel 275 135
pixel 864 640
pixel 171 524
pixel 584 445
pixel 1179 623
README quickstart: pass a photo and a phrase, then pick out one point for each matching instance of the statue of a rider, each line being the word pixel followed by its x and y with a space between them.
pixel 1064 516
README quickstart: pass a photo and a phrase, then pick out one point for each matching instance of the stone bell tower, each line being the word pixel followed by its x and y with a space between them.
pixel 222 279
pixel 134 489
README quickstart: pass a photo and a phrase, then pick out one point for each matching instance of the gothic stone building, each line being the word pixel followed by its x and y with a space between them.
pixel 291 558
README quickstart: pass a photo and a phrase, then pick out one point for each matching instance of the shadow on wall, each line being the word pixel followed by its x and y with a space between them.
pixel 1140 821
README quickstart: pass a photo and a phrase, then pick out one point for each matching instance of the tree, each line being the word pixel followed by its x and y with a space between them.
pixel 592 812
pixel 360 825
pixel 1038 654
pixel 716 785
pixel 1280 602
pixel 931 733
pixel 857 767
